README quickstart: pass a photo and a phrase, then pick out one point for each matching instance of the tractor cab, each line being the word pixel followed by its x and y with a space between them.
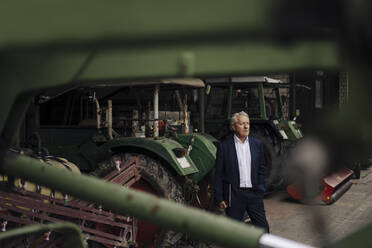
pixel 129 109
pixel 154 109
pixel 266 100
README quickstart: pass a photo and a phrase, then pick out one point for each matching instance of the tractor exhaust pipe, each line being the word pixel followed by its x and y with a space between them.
pixel 156 110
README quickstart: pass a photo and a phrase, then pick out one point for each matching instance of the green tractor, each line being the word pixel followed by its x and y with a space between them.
pixel 266 101
pixel 137 134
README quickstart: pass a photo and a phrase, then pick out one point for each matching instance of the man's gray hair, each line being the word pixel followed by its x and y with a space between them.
pixel 234 117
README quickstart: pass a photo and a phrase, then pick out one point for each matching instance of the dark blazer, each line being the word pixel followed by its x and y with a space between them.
pixel 227 168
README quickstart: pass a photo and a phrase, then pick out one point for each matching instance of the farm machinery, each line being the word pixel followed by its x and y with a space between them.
pixel 46 44
pixel 266 100
pixel 138 140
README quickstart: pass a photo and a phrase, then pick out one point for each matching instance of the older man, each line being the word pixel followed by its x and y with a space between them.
pixel 240 174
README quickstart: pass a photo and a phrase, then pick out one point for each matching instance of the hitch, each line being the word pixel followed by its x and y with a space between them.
pixel 334 186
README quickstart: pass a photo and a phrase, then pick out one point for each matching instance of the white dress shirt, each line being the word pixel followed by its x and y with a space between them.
pixel 243 152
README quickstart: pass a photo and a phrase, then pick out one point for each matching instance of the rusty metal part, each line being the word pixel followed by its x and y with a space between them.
pixel 26 207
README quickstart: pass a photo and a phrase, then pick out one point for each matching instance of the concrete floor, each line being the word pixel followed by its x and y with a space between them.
pixel 293 220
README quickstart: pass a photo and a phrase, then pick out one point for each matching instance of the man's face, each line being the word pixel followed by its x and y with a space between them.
pixel 241 127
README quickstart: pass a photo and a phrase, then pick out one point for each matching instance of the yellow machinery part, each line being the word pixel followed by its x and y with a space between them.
pixel 29 186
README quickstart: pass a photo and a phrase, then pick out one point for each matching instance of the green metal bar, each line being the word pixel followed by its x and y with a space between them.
pixel 74 236
pixel 199 224
pixel 44 23
pixel 211 57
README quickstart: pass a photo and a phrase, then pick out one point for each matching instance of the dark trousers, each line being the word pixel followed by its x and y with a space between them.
pixel 251 201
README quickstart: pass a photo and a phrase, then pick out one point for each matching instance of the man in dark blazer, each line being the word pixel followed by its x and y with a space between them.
pixel 240 174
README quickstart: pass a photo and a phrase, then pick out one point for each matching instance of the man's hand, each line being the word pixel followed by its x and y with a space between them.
pixel 222 205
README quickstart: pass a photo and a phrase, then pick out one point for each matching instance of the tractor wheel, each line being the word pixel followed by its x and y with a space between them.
pixel 155 179
pixel 272 162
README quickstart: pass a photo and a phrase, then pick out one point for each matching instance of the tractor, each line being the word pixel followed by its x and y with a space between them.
pixel 136 134
pixel 266 101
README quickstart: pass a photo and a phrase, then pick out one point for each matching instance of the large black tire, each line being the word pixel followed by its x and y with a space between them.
pixel 272 161
pixel 155 179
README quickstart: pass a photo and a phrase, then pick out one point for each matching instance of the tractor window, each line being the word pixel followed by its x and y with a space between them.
pixel 284 94
pixel 132 111
pixel 216 108
pixel 246 99
pixel 273 104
